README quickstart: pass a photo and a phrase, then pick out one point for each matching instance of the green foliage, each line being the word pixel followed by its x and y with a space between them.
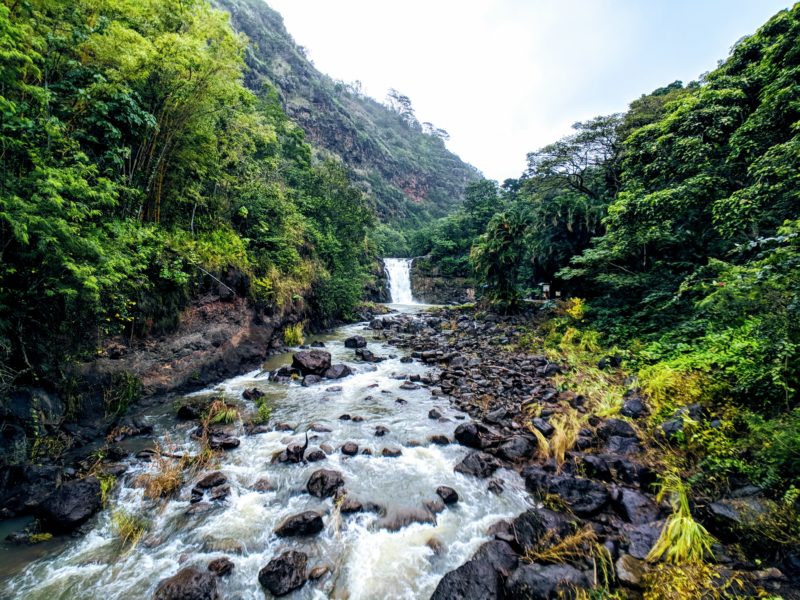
pixel 682 540
pixel 129 527
pixel 137 169
pixel 293 334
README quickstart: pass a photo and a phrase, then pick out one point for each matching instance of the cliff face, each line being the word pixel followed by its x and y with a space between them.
pixel 410 174
pixel 429 286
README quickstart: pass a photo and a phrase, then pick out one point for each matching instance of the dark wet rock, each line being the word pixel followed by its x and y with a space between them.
pixel 633 407
pixel 475 435
pixel 312 362
pixel 497 416
pixel 338 371
pixel 189 412
pixel 310 380
pixel 543 582
pixel 381 430
pixel 317 344
pixel 334 388
pixel 495 486
pixel 635 507
pixel 391 452
pixel 407 385
pixel 319 428
pixel 351 505
pixel 630 570
pixel 434 414
pixel 345 417
pixel 70 505
pixel 724 518
pixel 283 427
pixel 315 455
pixel 324 483
pixel 350 448
pixel 211 480
pixel 221 566
pixel 594 467
pixel 481 577
pixel 188 584
pixel 368 356
pixel 517 449
pixel 439 440
pixel 616 427
pixel 406 359
pixel 434 506
pixel 219 492
pixel 356 341
pixel 403 517
pixel 223 442
pixel 252 394
pixel 357 418
pixel 585 497
pixel 305 523
pixel 435 544
pixel 641 538
pixel 543 426
pixel 531 526
pixel 447 494
pixel 622 445
pixel 478 464
pixel 284 573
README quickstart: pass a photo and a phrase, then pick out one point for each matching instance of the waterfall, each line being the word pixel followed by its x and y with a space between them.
pixel 399 272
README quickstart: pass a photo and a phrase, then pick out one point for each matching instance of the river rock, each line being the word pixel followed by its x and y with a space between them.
pixel 391 452
pixel 211 480
pixel 284 573
pixel 439 440
pixel 312 362
pixel 188 584
pixel 356 341
pixel 319 572
pixel 305 523
pixel 542 582
pixel 350 449
pixel 403 517
pixel 447 494
pixel 478 464
pixel 481 577
pixel 475 435
pixel 253 394
pixel 310 380
pixel 221 566
pixel 338 371
pixel 630 570
pixel 381 430
pixel 635 507
pixel 642 538
pixel 315 455
pixel 585 497
pixel 434 414
pixel 324 483
pixel 518 448
pixel 531 526
pixel 70 505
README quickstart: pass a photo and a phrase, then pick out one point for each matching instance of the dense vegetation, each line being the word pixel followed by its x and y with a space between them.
pixel 136 164
pixel 678 223
pixel 402 164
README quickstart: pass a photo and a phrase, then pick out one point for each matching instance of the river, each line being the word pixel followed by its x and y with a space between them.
pixel 367 560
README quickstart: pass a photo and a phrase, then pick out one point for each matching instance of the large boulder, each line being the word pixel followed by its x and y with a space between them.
pixel 188 584
pixel 356 341
pixel 324 483
pixel 70 505
pixel 284 573
pixel 481 577
pixel 475 435
pixel 312 362
pixel 305 523
pixel 338 371
pixel 635 507
pixel 517 449
pixel 585 497
pixel 543 582
pixel 531 526
pixel 478 464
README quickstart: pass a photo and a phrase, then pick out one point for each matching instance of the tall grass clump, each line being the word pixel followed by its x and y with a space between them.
pixel 293 334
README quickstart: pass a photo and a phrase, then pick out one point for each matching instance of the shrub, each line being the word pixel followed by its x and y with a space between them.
pixel 293 334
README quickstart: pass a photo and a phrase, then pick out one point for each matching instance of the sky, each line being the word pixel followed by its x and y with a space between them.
pixel 506 77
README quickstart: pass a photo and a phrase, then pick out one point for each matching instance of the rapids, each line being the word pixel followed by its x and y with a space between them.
pixel 368 562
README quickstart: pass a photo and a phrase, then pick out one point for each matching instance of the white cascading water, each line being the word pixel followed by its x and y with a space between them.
pixel 399 272
pixel 368 561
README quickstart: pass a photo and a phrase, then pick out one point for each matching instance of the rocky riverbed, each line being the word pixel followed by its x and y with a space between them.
pixel 403 459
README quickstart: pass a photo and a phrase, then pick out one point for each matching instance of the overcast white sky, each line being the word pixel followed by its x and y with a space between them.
pixel 505 77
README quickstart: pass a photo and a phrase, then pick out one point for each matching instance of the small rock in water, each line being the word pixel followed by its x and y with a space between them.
pixel 188 584
pixel 345 418
pixel 305 523
pixel 407 385
pixel 315 455
pixel 324 483
pixel 447 494
pixel 406 359
pixel 381 430
pixel 334 388
pixel 391 452
pixel 263 485
pixel 350 448
pixel 357 418
pixel 284 573
pixel 310 380
pixel 338 371
pixel 434 414
pixel 356 341
pixel 212 480
pixel 221 566
pixel 319 572
pixel 319 428
pixel 439 440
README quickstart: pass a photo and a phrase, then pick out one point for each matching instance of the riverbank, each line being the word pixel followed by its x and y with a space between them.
pixel 470 471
